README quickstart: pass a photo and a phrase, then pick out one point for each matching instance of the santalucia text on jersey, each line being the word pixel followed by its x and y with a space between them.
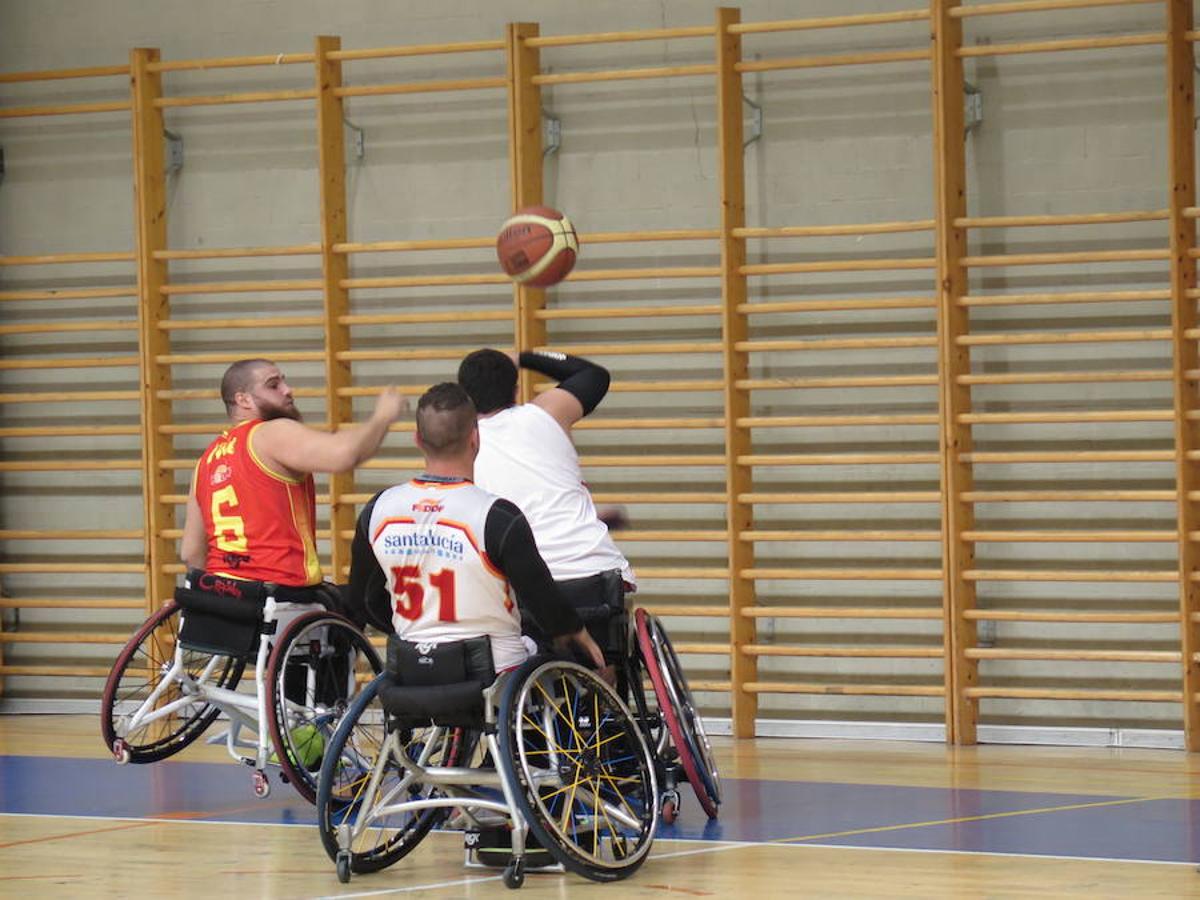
pixel 423 541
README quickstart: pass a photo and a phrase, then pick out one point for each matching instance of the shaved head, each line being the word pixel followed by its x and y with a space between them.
pixel 445 421
pixel 239 378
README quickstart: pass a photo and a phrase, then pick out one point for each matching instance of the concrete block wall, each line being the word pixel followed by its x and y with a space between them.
pixel 1062 133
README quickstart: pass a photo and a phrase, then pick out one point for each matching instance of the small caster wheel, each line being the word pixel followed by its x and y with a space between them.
pixel 262 787
pixel 670 807
pixel 120 752
pixel 514 873
pixel 343 866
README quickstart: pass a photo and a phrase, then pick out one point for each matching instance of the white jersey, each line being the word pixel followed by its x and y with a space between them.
pixel 526 457
pixel 428 537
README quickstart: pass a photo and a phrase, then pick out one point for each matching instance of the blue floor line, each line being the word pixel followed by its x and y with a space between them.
pixel 838 814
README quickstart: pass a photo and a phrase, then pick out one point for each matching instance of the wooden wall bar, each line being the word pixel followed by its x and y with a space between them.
pixel 900 490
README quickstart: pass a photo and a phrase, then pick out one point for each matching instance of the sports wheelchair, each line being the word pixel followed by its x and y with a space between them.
pixel 640 650
pixel 183 667
pixel 574 777
pixel 563 771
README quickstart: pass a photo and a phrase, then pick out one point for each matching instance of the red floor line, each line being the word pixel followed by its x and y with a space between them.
pixel 181 816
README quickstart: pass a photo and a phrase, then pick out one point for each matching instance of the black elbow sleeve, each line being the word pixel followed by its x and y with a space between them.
pixel 588 387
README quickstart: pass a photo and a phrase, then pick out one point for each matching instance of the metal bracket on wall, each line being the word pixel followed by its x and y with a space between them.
pixel 360 140
pixel 174 151
pixel 551 134
pixel 973 111
pixel 985 633
pixel 1196 120
pixel 756 122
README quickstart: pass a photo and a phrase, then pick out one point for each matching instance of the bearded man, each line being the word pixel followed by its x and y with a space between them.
pixel 251 510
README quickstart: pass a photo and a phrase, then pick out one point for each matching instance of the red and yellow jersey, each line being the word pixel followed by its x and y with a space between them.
pixel 259 523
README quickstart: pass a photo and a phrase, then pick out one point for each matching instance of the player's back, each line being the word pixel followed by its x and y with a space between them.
pixel 429 538
pixel 259 523
pixel 526 457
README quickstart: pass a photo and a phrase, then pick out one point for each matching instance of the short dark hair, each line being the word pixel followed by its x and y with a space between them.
pixel 237 378
pixel 490 378
pixel 445 419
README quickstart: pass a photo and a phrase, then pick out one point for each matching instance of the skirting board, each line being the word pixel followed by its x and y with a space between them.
pixel 1145 738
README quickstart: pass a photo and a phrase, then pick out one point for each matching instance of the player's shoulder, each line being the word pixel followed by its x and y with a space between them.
pixel 275 433
pixel 540 424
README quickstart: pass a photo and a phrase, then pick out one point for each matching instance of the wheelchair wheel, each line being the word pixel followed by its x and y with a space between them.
pixel 144 718
pixel 362 772
pixel 677 708
pixel 580 768
pixel 318 665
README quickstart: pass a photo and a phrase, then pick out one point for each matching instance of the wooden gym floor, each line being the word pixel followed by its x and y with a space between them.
pixel 801 818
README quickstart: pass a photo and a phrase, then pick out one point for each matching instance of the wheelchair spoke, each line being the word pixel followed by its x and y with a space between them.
pixel 597 810
pixel 557 708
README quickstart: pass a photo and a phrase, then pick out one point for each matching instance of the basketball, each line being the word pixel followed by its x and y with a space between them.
pixel 537 246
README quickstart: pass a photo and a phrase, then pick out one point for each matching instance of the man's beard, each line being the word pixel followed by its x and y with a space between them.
pixel 267 412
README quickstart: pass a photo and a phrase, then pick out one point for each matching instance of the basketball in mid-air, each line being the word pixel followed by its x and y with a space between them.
pixel 537 246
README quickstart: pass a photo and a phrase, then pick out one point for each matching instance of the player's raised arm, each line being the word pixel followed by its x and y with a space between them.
pixel 582 384
pixel 296 448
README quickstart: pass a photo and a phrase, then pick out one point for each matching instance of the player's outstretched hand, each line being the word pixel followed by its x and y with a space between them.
pixel 390 405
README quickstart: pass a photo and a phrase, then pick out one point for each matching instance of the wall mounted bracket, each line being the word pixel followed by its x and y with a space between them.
pixel 551 134
pixel 973 111
pixel 756 122
pixel 174 151
pixel 359 141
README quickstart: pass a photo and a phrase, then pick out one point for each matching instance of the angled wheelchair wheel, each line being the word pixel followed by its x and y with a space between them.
pixel 363 771
pixel 320 662
pixel 678 710
pixel 580 768
pixel 151 709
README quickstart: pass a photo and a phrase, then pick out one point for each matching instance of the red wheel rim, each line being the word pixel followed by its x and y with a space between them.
pixel 686 757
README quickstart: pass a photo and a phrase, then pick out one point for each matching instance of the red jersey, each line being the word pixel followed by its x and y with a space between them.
pixel 260 524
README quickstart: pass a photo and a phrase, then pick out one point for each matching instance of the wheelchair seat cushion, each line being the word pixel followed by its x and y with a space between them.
pixel 220 624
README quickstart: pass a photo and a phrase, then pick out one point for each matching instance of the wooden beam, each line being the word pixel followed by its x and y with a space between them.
pixel 954 360
pixel 525 174
pixel 1182 172
pixel 739 513
pixel 339 406
pixel 150 211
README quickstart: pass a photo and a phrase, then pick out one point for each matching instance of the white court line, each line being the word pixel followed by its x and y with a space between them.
pixel 717 845
pixel 1110 859
pixel 408 889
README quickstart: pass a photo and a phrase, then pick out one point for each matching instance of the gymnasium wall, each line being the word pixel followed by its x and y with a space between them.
pixel 849 605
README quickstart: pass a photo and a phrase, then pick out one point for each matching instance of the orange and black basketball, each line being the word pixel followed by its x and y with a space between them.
pixel 537 246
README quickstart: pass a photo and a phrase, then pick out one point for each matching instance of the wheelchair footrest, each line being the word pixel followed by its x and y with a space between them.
pixel 492 847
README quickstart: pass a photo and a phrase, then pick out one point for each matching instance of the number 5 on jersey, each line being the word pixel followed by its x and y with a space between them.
pixel 408 587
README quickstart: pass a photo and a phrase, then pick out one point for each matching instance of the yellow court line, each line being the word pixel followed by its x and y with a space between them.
pixel 1002 815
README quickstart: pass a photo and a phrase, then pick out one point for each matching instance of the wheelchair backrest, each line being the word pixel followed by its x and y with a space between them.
pixel 221 624
pixel 600 601
pixel 442 683
pixel 226 616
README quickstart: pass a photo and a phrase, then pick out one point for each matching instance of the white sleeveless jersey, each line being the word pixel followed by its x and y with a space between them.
pixel 526 457
pixel 428 537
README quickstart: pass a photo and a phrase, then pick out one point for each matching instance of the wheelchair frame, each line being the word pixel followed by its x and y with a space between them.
pixel 566 771
pixel 180 680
